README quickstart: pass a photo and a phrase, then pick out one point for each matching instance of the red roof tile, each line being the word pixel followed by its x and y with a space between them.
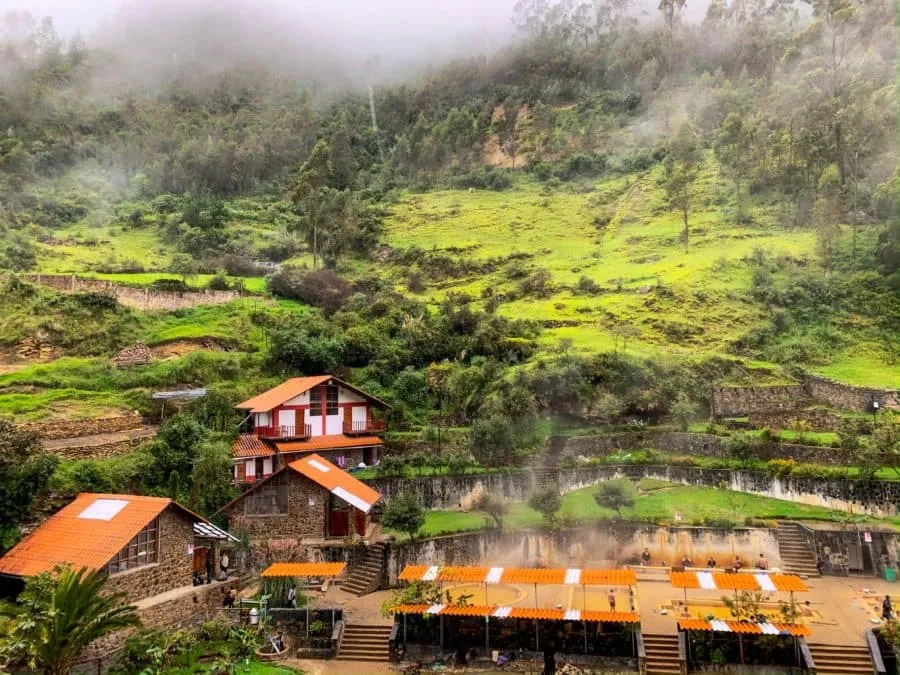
pixel 69 536
pixel 337 481
pixel 248 445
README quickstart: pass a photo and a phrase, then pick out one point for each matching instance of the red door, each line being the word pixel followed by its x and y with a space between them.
pixel 360 523
pixel 338 518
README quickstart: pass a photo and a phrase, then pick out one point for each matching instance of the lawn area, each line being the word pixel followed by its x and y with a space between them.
pixel 250 668
pixel 657 502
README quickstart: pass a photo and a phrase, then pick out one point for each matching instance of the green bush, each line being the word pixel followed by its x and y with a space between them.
pixel 780 468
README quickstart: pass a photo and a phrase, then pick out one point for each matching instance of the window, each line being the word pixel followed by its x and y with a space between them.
pixel 259 467
pixel 331 400
pixel 142 550
pixel 270 499
pixel 315 401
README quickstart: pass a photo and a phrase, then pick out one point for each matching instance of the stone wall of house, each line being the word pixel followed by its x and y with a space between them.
pixel 606 545
pixel 819 419
pixel 139 298
pixel 89 426
pixel 175 566
pixel 686 443
pixel 306 514
pixel 848 397
pixel 738 401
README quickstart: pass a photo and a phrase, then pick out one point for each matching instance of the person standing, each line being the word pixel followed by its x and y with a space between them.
pixel 763 562
pixel 223 564
pixel 292 597
pixel 887 609
pixel 612 600
pixel 711 563
pixel 645 558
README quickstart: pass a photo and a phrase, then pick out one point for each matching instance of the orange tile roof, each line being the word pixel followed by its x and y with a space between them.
pixel 744 627
pixel 739 582
pixel 248 445
pixel 84 542
pixel 520 575
pixel 286 569
pixel 499 612
pixel 337 481
pixel 328 443
pixel 283 392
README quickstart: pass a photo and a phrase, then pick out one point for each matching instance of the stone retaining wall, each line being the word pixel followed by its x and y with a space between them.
pixel 818 419
pixel 451 492
pixel 604 545
pixel 848 397
pixel 138 298
pixel 90 426
pixel 738 401
pixel 102 451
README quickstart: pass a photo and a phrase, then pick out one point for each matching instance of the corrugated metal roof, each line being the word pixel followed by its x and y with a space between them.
pixel 331 442
pixel 248 445
pixel 206 530
pixel 520 575
pixel 337 481
pixel 82 542
pixel 286 569
pixel 506 612
pixel 179 393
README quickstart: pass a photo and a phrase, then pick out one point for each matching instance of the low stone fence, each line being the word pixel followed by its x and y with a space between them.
pixel 451 492
pixel 138 298
pixel 89 426
pixel 101 451
pixel 818 419
pixel 848 397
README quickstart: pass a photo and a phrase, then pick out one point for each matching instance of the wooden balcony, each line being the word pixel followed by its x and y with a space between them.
pixel 361 427
pixel 284 433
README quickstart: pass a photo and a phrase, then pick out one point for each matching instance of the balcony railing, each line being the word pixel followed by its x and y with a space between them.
pixel 352 427
pixel 302 431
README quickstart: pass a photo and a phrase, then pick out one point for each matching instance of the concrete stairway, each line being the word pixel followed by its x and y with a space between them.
pixel 547 473
pixel 365 643
pixel 662 654
pixel 840 659
pixel 796 556
pixel 367 574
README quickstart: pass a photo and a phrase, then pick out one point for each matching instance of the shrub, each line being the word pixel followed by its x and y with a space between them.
pixel 587 286
pixel 219 282
pixel 780 468
pixel 614 495
pixel 486 178
pixel 404 514
pixel 493 442
pixel 392 466
pixel 322 288
pixel 415 281
pixel 538 284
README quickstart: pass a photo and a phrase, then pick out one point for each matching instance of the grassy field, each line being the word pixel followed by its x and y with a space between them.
pixel 657 502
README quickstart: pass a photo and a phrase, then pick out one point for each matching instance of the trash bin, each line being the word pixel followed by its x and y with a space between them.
pixel 890 573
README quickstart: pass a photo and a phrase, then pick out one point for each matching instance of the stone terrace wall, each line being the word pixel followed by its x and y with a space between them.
pixel 450 492
pixel 848 397
pixel 102 451
pixel 685 443
pixel 138 298
pixel 91 426
pixel 737 401
pixel 818 419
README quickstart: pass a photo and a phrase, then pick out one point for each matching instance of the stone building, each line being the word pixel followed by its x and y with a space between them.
pixel 310 500
pixel 147 545
pixel 302 415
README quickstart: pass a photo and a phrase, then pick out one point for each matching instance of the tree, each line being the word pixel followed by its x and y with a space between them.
pixel 493 443
pixel 25 472
pixel 172 455
pixel 492 506
pixel 212 485
pixel 295 349
pixel 58 615
pixel 547 502
pixel 404 514
pixel 671 11
pixel 184 266
pixel 733 145
pixel 683 410
pixel 614 495
pixel 681 164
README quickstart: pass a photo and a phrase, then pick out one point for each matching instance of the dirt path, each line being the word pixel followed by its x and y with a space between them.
pixel 100 439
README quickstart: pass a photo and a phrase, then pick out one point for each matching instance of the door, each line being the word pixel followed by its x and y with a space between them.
pixel 360 522
pixel 287 420
pixel 358 417
pixel 338 518
pixel 368 456
pixel 200 553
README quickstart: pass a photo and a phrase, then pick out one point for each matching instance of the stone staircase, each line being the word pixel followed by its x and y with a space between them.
pixel 840 659
pixel 547 473
pixel 363 642
pixel 662 654
pixel 796 556
pixel 367 574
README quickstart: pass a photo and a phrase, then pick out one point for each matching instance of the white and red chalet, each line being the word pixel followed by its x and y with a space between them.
pixel 320 414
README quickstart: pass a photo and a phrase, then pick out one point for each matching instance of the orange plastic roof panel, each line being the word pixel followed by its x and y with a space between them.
pixel 468 574
pixel 611 617
pixel 413 573
pixel 524 575
pixel 684 580
pixel 788 582
pixel 285 569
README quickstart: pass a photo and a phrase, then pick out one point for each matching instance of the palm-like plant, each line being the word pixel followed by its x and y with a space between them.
pixel 58 615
